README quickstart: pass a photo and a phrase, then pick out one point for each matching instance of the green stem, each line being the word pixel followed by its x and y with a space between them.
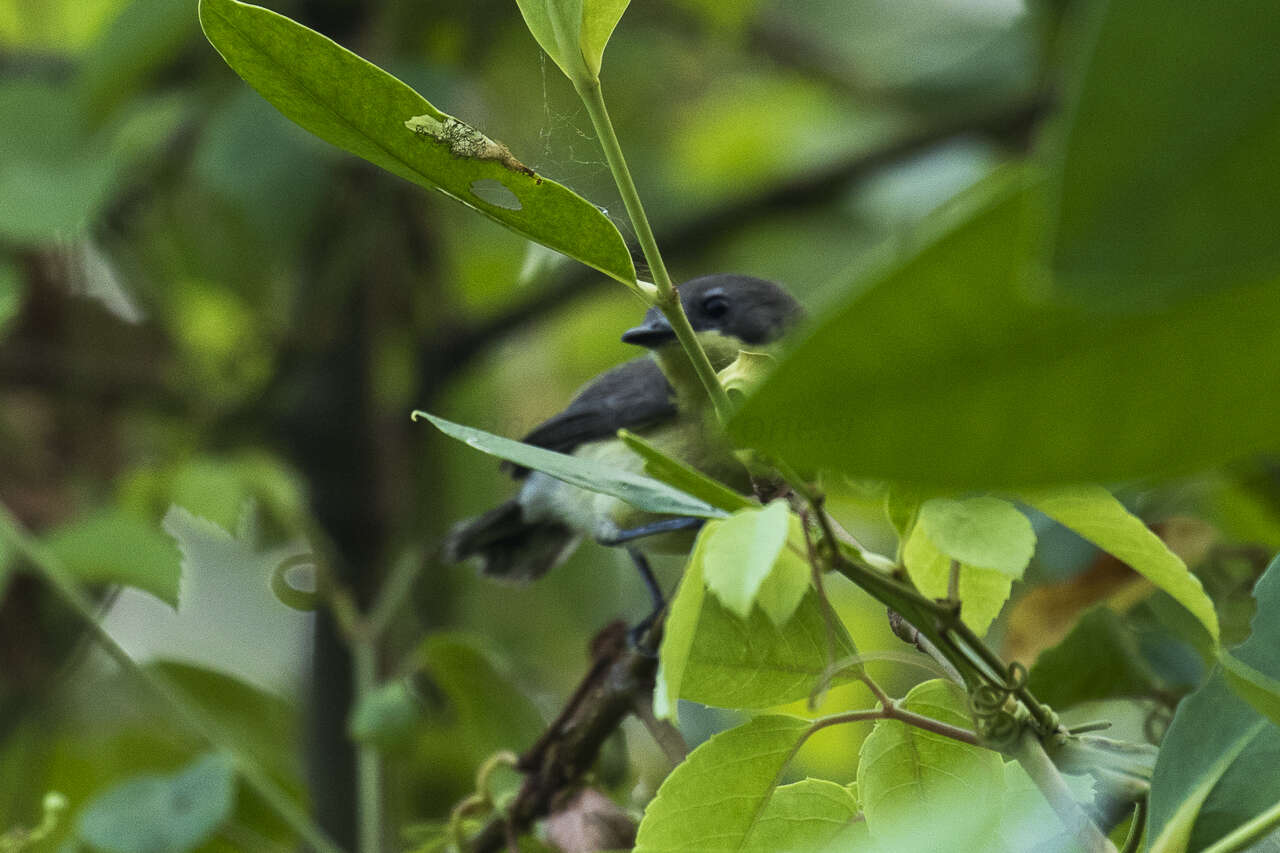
pixel 667 299
pixel 364 655
pixel 1246 834
pixel 11 530
pixel 1031 755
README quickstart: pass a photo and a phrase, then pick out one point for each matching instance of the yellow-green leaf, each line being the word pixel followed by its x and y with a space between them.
pixel 1095 514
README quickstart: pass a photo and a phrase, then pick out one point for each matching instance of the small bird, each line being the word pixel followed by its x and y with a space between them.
pixel 658 397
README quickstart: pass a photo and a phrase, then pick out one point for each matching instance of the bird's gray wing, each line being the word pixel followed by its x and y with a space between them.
pixel 631 395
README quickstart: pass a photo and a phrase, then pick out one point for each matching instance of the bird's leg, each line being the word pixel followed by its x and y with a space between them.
pixel 667 525
pixel 640 632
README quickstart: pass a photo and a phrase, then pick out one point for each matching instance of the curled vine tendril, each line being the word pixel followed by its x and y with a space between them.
pixel 997 723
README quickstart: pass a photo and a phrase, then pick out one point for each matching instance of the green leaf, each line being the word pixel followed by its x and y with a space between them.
pixel 1095 514
pixel 1099 659
pixel 142 38
pixel 689 480
pixel 53 177
pixel 1253 669
pixel 10 292
pixel 978 381
pixel 741 551
pixel 810 815
pixel 1167 180
pixel 753 663
pixel 716 799
pixel 712 656
pixel 982 531
pixel 599 19
pixel 386 716
pixel 574 33
pixel 982 592
pixel 639 491
pixel 679 630
pixel 1215 771
pixel 905 773
pixel 486 711
pixel 359 107
pixel 174 813
pixel 902 506
pixel 112 547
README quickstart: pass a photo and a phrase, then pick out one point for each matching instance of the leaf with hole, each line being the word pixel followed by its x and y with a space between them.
pixel 357 106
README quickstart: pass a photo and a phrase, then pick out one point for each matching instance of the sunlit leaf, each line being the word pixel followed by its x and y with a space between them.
pixel 359 107
pixel 112 547
pixel 574 33
pixel 740 553
pixel 954 370
pixel 639 491
pixel 981 531
pixel 982 592
pixel 1167 180
pixel 810 815
pixel 681 625
pixel 162 812
pixel 716 798
pixel 905 772
pixel 1095 514
pixel 712 656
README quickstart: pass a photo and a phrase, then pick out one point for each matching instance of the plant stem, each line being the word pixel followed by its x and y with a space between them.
pixel 11 530
pixel 1244 835
pixel 891 711
pixel 1031 755
pixel 364 656
pixel 667 299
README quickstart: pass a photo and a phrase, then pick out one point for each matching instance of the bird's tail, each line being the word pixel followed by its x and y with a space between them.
pixel 509 547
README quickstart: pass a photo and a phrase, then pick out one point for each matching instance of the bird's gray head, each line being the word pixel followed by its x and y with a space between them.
pixel 751 310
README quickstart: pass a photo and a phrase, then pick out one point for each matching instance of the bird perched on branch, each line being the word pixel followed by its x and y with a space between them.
pixel 658 397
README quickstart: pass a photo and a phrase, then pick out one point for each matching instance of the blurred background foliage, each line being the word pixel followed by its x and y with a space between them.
pixel 213 328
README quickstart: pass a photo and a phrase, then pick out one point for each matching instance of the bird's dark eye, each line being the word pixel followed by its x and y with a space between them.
pixel 715 305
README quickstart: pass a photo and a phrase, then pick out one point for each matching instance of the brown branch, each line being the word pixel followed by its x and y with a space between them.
pixel 621 675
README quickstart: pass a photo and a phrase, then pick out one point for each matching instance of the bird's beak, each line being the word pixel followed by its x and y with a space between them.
pixel 652 333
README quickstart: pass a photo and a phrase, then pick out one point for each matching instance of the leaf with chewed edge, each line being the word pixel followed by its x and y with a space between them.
pixel 355 105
